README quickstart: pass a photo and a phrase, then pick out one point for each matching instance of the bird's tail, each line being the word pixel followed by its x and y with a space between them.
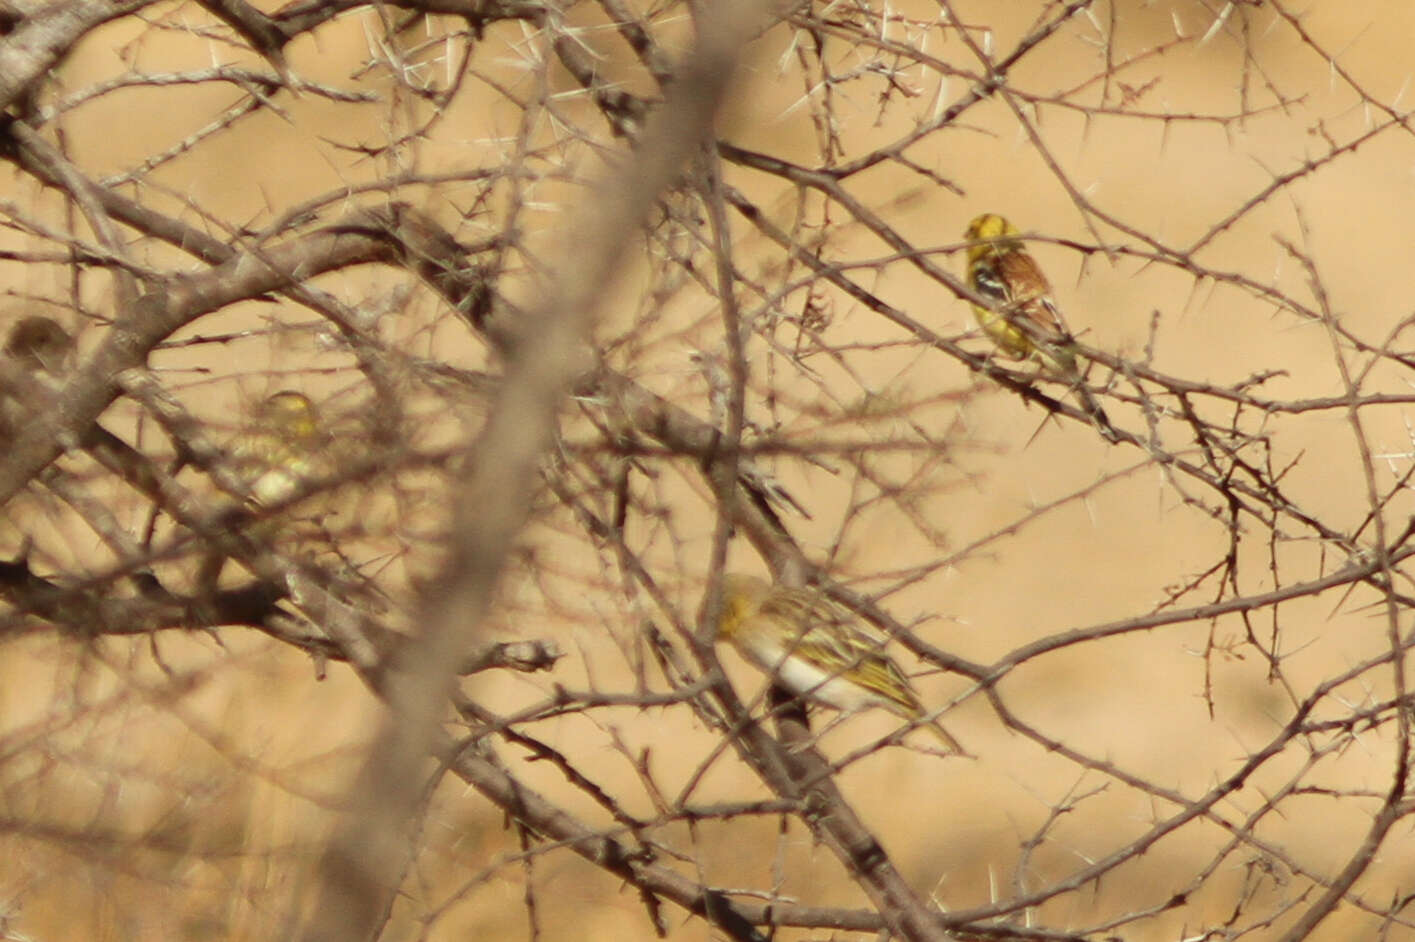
pixel 945 737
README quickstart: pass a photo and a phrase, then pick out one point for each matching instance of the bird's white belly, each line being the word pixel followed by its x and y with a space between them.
pixel 830 688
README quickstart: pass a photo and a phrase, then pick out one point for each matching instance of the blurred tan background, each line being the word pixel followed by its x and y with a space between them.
pixel 206 795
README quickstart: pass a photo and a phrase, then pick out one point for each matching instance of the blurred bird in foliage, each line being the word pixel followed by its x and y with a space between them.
pixel 283 447
pixel 39 344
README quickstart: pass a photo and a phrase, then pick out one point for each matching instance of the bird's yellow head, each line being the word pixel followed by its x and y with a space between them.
pixel 742 596
pixel 288 413
pixel 988 233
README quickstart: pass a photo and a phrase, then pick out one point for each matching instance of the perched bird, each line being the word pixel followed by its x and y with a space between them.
pixel 42 353
pixel 283 447
pixel 1023 319
pixel 817 649
pixel 36 354
pixel 39 344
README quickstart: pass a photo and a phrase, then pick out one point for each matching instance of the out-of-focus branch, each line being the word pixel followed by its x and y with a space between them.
pixel 92 387
pixel 45 36
pixel 524 656
pixel 88 612
pixel 33 160
pixel 490 503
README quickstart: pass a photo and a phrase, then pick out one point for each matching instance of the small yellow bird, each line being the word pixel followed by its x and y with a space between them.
pixel 1023 319
pixel 283 448
pixel 817 649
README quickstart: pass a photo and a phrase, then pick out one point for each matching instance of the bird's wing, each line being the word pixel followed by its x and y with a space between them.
pixel 1030 295
pixel 833 635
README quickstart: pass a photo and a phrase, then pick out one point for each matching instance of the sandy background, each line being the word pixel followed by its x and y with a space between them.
pixel 203 801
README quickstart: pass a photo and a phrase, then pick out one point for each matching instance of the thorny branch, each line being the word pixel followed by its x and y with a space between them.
pixel 1183 717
